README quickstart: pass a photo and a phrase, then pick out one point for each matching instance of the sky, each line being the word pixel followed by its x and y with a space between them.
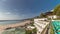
pixel 22 9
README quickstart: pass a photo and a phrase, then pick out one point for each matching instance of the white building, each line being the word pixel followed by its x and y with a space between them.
pixel 30 27
pixel 52 16
pixel 40 24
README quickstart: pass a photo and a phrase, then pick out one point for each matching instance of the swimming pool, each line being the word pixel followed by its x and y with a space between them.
pixel 56 26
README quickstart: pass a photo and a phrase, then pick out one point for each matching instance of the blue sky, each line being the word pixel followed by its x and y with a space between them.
pixel 22 9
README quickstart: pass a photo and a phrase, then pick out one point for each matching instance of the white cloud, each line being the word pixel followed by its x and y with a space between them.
pixel 8 13
pixel 9 16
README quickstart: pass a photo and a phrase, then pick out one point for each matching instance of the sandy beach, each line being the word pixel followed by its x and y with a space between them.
pixel 3 27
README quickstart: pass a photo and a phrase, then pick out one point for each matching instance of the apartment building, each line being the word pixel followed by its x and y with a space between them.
pixel 40 24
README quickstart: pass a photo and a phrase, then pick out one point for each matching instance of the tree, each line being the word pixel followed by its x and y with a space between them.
pixel 57 10
pixel 42 15
pixel 28 32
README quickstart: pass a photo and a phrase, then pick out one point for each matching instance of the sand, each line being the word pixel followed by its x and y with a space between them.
pixel 3 27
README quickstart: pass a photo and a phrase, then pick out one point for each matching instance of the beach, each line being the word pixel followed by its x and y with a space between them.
pixel 3 27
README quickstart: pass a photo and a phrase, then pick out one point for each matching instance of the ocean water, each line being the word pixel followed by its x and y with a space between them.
pixel 5 22
pixel 14 31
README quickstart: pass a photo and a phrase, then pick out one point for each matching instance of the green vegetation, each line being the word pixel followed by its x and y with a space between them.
pixel 28 32
pixel 37 17
pixel 42 15
pixel 14 31
pixel 32 19
pixel 32 24
pixel 57 10
pixel 31 31
pixel 51 29
pixel 34 30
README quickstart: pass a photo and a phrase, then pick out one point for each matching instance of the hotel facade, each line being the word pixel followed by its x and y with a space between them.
pixel 40 24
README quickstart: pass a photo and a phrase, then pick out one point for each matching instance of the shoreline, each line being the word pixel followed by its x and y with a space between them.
pixel 3 27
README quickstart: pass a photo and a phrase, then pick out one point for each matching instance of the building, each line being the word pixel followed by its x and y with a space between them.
pixel 50 15
pixel 40 24
pixel 30 27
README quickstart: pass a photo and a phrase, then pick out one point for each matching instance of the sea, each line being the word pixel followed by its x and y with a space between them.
pixel 13 30
pixel 5 22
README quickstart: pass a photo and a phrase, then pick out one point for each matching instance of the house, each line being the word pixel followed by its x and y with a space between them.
pixel 50 15
pixel 30 27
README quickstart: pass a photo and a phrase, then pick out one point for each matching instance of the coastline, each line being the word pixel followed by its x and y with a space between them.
pixel 3 27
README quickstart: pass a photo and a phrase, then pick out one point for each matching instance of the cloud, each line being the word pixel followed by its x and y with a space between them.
pixel 9 16
pixel 15 10
pixel 8 13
